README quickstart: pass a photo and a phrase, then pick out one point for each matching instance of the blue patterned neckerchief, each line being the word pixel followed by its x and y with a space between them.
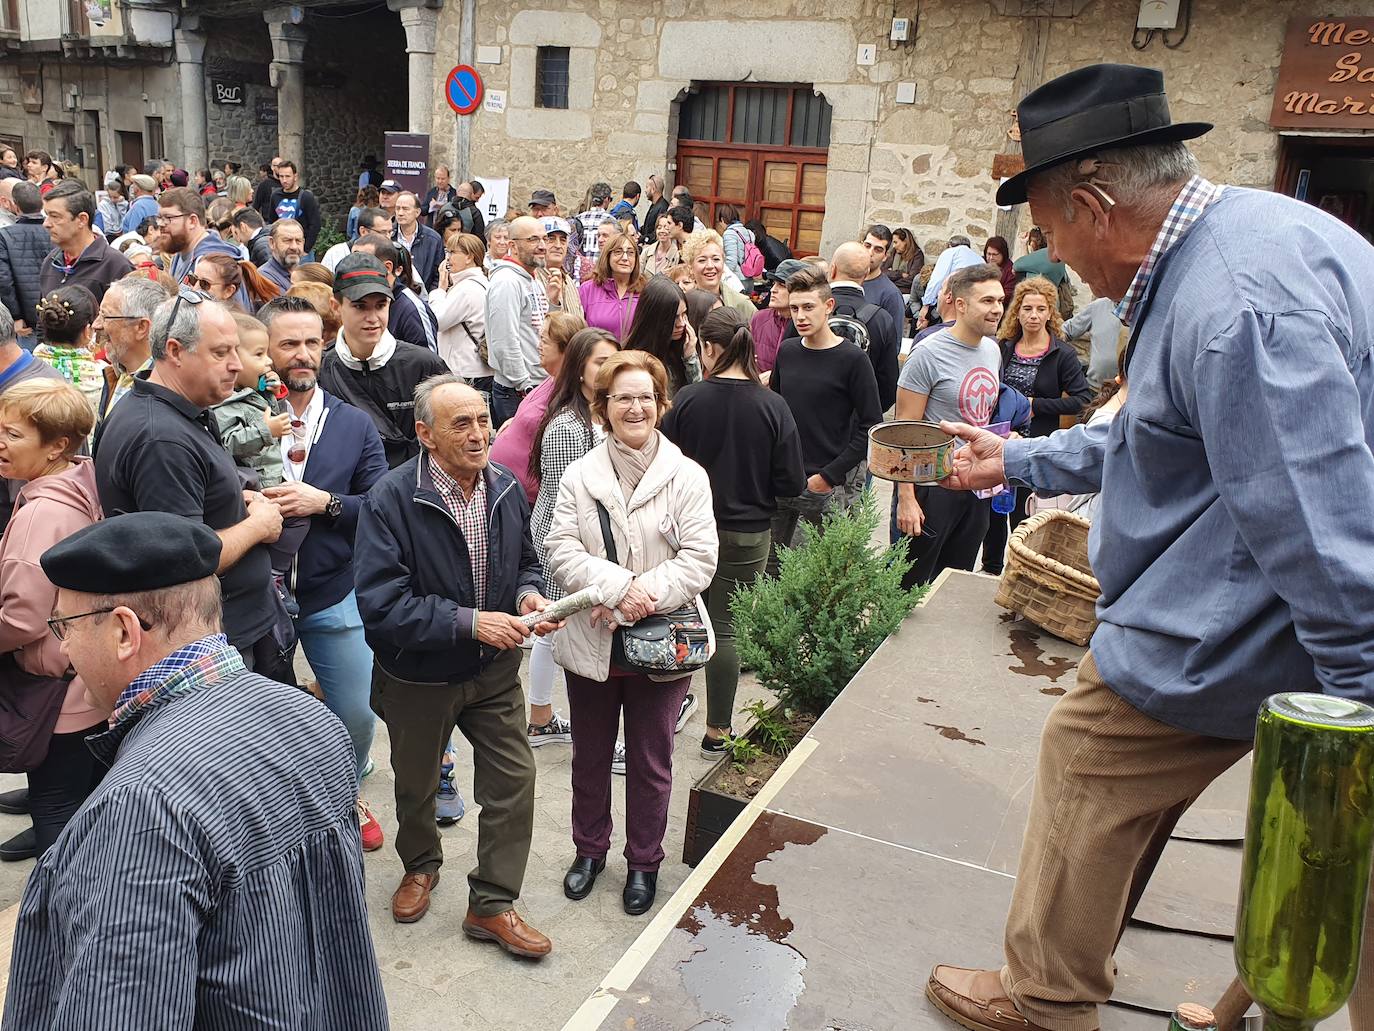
pixel 207 661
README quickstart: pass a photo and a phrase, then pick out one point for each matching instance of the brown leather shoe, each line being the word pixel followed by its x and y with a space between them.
pixel 508 931
pixel 975 999
pixel 411 900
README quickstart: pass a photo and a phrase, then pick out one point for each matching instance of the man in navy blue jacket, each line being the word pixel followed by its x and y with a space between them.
pixel 444 562
pixel 330 459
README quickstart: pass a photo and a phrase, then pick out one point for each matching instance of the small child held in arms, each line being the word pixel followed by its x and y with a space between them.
pixel 251 428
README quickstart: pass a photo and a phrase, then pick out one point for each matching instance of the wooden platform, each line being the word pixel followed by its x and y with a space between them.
pixel 888 842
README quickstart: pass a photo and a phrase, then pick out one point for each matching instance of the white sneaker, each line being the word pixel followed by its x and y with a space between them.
pixel 618 760
pixel 689 706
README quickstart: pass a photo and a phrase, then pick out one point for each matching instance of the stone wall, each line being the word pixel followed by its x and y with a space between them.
pixel 355 93
pixel 926 165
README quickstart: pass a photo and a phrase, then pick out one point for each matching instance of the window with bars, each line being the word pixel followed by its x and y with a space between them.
pixel 764 116
pixel 551 77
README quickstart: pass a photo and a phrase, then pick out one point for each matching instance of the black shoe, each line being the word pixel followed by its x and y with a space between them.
pixel 640 889
pixel 581 876
pixel 24 845
pixel 15 803
pixel 712 747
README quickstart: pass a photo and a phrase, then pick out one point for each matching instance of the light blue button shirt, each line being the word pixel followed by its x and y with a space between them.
pixel 1235 544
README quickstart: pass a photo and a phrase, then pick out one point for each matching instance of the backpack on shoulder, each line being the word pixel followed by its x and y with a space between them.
pixel 752 265
pixel 854 328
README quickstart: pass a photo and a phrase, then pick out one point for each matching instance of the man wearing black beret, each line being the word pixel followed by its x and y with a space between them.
pixel 195 884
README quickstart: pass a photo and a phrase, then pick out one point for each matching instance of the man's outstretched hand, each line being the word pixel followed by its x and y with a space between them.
pixel 978 466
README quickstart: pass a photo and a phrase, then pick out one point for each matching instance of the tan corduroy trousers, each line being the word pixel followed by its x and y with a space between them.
pixel 1110 785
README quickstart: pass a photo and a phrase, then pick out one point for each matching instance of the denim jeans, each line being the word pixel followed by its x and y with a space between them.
pixel 342 661
pixel 504 402
pixel 808 506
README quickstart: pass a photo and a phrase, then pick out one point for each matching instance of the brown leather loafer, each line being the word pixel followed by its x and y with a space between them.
pixel 975 999
pixel 411 900
pixel 508 931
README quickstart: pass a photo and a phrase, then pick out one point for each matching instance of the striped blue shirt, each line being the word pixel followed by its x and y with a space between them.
pixel 213 880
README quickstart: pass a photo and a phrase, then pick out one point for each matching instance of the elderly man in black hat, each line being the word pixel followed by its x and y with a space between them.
pixel 1234 546
pixel 197 884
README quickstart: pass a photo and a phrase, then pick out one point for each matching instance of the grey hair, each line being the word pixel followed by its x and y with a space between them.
pixel 139 296
pixel 1137 178
pixel 192 608
pixel 424 394
pixel 280 224
pixel 186 329
pixel 497 223
pixel 6 326
pixel 960 241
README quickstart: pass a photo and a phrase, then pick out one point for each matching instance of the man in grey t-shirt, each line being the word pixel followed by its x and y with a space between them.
pixel 952 374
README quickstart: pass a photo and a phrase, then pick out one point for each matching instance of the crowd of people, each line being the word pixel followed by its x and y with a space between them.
pixel 218 450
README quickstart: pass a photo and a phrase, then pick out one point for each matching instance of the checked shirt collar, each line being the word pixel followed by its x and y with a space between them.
pixel 207 661
pixel 1188 206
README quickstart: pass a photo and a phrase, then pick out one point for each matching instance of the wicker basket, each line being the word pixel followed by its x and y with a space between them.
pixel 1048 579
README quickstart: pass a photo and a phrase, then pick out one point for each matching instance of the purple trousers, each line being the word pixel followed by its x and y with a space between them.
pixel 651 710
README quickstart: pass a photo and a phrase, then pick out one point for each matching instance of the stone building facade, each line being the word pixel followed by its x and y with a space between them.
pixel 911 129
pixel 926 164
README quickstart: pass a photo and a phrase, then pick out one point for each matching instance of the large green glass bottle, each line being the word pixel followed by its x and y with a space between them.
pixel 1308 839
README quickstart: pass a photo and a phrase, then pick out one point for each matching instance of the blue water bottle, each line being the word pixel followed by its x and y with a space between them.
pixel 1004 502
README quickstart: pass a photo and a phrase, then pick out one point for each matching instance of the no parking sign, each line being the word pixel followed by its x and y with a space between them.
pixel 463 89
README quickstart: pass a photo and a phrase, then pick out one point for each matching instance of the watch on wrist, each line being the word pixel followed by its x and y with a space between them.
pixel 334 506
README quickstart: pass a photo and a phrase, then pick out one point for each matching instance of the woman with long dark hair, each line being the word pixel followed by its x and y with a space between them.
pixel 566 433
pixel 745 437
pixel 997 253
pixel 661 328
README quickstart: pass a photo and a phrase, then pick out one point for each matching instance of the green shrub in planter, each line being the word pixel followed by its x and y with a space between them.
pixel 806 632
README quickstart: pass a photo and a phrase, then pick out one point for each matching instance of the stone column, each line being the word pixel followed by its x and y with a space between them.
pixel 420 18
pixel 284 25
pixel 189 38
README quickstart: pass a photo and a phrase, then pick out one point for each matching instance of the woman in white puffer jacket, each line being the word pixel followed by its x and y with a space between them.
pixel 664 530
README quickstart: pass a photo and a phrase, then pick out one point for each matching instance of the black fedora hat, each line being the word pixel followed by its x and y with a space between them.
pixel 1091 109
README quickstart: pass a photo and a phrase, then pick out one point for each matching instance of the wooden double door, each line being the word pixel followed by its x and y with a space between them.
pixel 784 188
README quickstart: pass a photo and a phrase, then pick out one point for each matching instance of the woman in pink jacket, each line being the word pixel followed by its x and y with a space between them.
pixel 610 296
pixel 43 423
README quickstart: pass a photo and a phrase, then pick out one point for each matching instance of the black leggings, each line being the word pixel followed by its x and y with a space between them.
pixel 61 782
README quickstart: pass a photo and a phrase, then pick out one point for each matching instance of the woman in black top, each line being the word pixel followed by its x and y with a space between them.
pixel 1037 362
pixel 744 436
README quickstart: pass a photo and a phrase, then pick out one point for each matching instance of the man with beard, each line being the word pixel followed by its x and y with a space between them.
pixel 953 376
pixel 286 241
pixel 159 452
pixel 370 368
pixel 181 221
pixel 516 308
pixel 330 460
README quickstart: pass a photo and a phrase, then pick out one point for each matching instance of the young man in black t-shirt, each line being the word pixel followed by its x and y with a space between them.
pixel 829 384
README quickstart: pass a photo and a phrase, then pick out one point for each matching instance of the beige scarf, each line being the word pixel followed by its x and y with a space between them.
pixel 631 465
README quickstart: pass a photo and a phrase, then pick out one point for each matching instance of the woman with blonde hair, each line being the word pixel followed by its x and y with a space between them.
pixel 657 504
pixel 43 425
pixel 313 272
pixel 459 306
pixel 238 191
pixel 1037 362
pixel 704 254
pixel 610 296
pixel 325 304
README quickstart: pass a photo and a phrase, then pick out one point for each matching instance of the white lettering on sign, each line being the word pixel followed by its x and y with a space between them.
pixel 228 92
